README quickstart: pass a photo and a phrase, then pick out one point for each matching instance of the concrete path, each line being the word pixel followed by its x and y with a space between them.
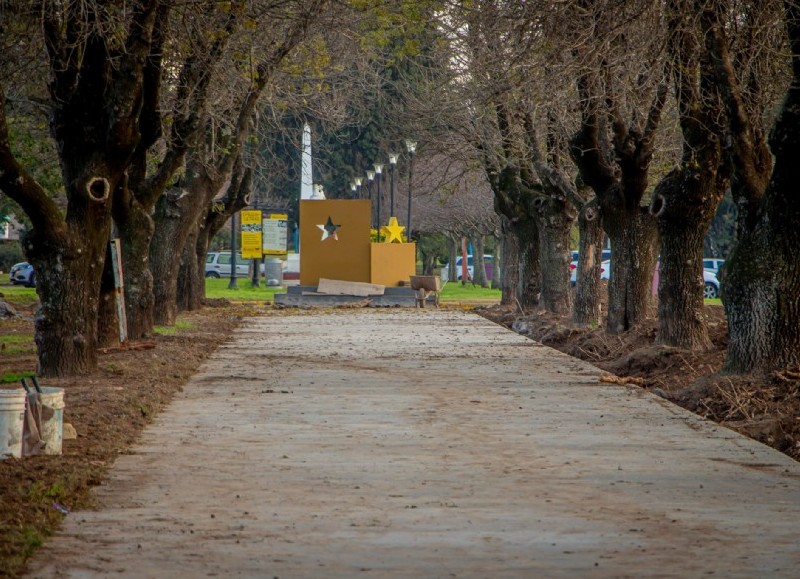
pixel 428 444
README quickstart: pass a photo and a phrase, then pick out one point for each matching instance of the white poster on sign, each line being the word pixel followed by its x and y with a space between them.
pixel 274 236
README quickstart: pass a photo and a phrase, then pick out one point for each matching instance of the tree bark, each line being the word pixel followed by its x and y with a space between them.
pixel 136 232
pixel 478 266
pixel 634 243
pixel 497 270
pixel 529 274
pixel 554 224
pixel 509 265
pixel 586 310
pixel 684 204
pixel 68 285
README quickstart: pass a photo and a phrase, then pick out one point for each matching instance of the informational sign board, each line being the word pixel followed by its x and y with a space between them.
pixel 275 226
pixel 251 234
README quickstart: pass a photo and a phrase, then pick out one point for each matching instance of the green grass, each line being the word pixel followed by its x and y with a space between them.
pixel 12 377
pixel 218 288
pixel 454 292
pixel 18 295
pixel 16 343
pixel 172 330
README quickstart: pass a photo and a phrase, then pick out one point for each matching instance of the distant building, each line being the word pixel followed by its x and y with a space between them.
pixel 10 229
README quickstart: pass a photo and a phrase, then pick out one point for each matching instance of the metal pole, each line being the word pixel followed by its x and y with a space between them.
pixel 392 163
pixel 370 177
pixel 379 178
pixel 232 284
pixel 411 146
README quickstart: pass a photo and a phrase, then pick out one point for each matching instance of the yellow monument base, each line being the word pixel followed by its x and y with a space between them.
pixel 392 263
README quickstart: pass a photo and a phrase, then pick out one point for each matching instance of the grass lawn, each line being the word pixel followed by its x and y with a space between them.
pixel 218 288
pixel 18 295
pixel 452 293
pixel 455 293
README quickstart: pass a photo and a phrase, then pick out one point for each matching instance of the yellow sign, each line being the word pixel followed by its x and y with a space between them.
pixel 251 234
pixel 275 227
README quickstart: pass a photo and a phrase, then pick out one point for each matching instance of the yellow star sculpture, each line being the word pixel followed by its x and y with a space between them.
pixel 393 231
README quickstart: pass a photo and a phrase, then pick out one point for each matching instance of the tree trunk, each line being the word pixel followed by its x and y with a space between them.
pixel 586 310
pixel 136 233
pixel 509 264
pixel 497 271
pixel 478 266
pixel 555 220
pixel 761 279
pixel 68 285
pixel 170 233
pixel 107 318
pixel 452 257
pixel 682 223
pixel 634 243
pixel 529 282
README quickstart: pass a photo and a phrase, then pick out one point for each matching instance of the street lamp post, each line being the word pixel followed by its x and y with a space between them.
pixel 353 189
pixel 232 283
pixel 392 163
pixel 358 187
pixel 411 146
pixel 378 171
pixel 370 179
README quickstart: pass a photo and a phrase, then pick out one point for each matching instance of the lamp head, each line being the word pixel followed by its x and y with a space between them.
pixel 411 146
pixel 378 168
pixel 358 181
pixel 370 175
pixel 393 158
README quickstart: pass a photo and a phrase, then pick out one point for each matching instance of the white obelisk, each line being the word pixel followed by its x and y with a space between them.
pixel 306 180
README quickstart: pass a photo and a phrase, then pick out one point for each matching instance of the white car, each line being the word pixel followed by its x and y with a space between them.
pixel 712 264
pixel 710 285
pixel 218 264
pixel 488 260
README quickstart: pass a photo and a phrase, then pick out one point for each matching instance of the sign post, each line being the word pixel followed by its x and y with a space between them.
pixel 251 242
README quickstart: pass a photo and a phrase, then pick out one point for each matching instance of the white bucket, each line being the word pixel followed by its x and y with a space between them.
pixel 12 416
pixel 52 426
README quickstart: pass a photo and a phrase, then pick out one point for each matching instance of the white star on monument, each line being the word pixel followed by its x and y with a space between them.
pixel 329 230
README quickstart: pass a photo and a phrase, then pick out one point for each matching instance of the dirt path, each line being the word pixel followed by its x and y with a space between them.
pixel 428 444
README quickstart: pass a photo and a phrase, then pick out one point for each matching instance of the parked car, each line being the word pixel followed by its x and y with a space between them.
pixel 713 264
pixel 488 260
pixel 710 284
pixel 22 274
pixel 605 266
pixel 218 264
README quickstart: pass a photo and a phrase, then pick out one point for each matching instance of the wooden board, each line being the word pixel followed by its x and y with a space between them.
pixel 333 287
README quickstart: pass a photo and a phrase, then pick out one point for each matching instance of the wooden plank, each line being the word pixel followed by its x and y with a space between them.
pixel 335 287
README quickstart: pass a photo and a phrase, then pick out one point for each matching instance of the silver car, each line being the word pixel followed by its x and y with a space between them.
pixel 22 274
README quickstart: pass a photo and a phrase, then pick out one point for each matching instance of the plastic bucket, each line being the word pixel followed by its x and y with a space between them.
pixel 12 416
pixel 52 424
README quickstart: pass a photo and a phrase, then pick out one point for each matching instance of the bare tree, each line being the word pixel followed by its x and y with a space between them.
pixel 213 158
pixel 761 277
pixel 685 200
pixel 97 56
